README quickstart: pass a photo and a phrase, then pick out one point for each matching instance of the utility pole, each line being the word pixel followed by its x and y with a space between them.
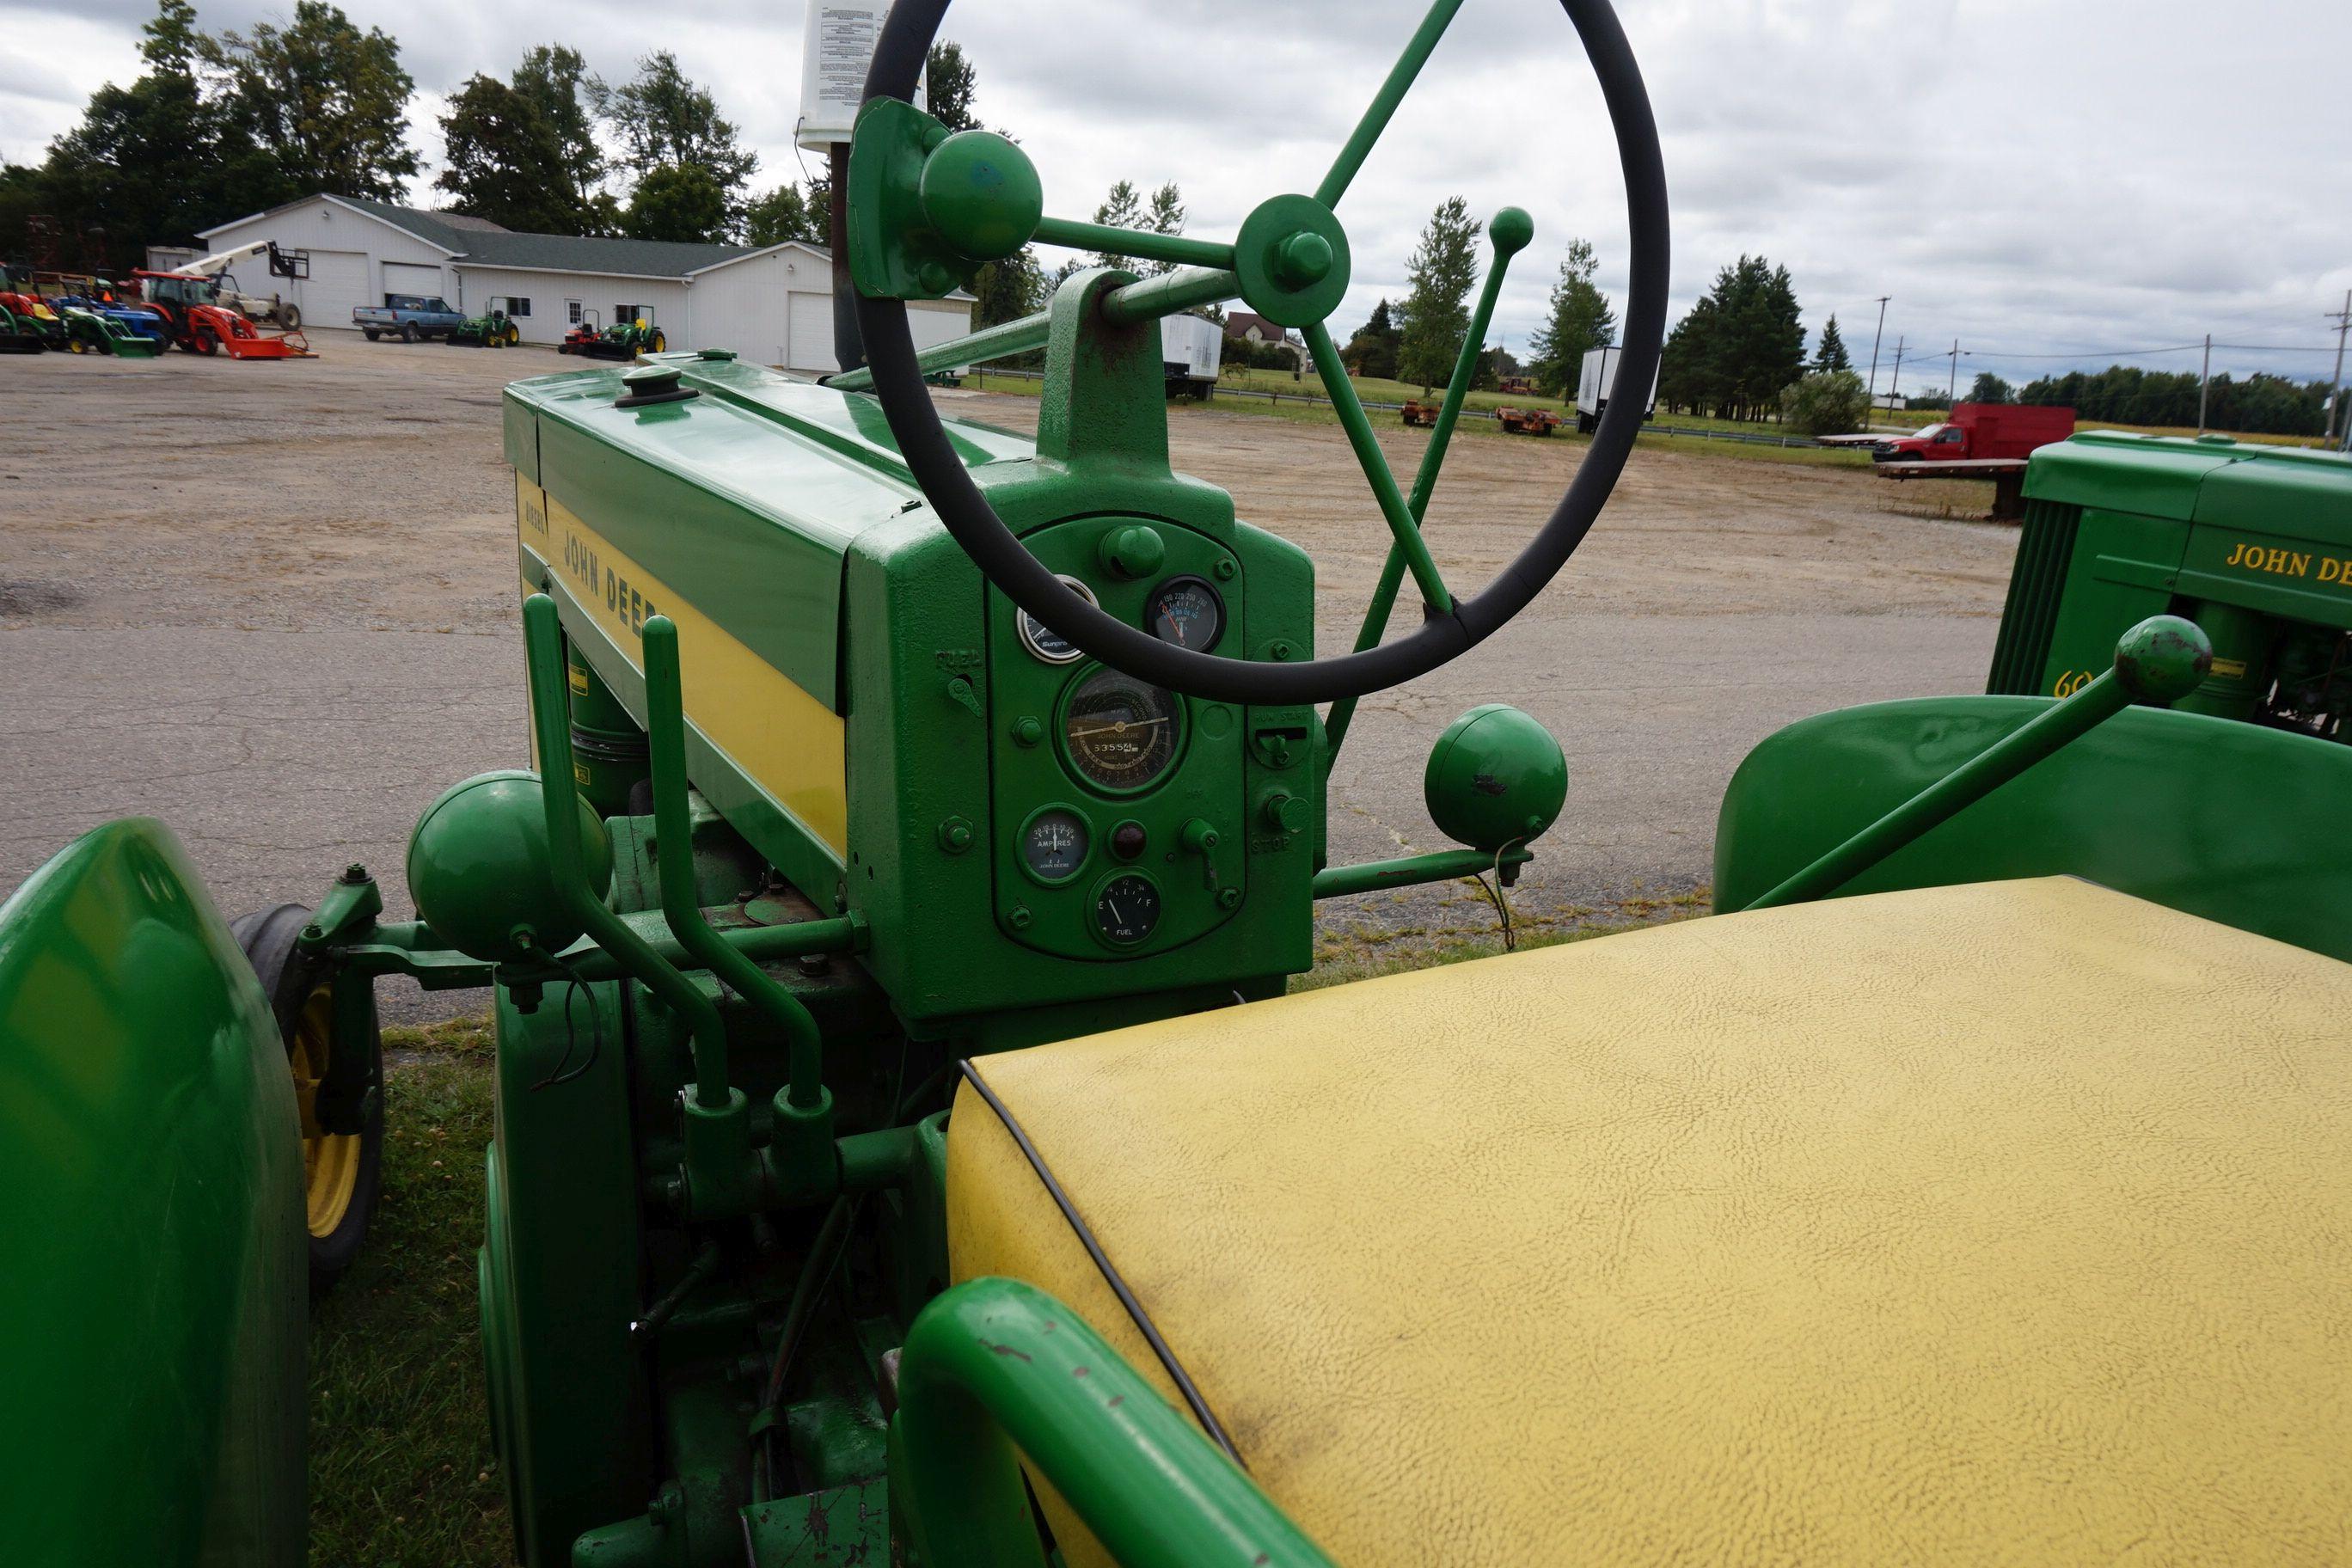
pixel 1953 391
pixel 2343 319
pixel 1896 382
pixel 1878 336
pixel 2204 379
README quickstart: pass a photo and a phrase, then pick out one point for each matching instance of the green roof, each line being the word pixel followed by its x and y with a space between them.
pixel 551 252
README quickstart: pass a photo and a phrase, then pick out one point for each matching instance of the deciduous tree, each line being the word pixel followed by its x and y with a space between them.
pixel 500 153
pixel 664 120
pixel 554 80
pixel 948 87
pixel 1990 388
pixel 1825 402
pixel 328 102
pixel 676 201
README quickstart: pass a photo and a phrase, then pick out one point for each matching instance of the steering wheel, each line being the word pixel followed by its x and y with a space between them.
pixel 1291 255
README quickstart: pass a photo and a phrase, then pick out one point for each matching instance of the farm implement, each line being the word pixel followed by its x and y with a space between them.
pixel 28 329
pixel 89 331
pixel 195 320
pixel 1526 421
pixel 908 1149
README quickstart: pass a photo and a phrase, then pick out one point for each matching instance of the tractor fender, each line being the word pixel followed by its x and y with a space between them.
pixel 153 1232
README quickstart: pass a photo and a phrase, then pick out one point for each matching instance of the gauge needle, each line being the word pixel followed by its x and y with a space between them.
pixel 1118 729
pixel 1116 918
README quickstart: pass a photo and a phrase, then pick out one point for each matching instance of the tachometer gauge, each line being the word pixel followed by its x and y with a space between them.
pixel 1053 844
pixel 1121 734
pixel 1188 612
pixel 1126 909
pixel 1045 643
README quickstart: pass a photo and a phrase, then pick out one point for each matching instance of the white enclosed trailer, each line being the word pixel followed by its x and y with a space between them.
pixel 1191 351
pixel 1594 383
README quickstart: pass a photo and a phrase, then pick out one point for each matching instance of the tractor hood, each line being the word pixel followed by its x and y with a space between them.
pixel 743 498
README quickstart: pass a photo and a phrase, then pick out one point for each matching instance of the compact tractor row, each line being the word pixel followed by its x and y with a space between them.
pixel 197 308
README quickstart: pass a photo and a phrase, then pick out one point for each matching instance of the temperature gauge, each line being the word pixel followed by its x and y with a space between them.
pixel 1188 612
pixel 1053 845
pixel 1126 909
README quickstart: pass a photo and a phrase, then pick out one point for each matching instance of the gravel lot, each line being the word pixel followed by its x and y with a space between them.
pixel 272 604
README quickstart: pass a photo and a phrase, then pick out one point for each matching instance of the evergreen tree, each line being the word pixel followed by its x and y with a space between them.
pixel 948 84
pixel 327 101
pixel 1166 217
pixel 1372 350
pixel 1830 353
pixel 1738 347
pixel 1009 289
pixel 1437 313
pixel 1578 321
pixel 499 150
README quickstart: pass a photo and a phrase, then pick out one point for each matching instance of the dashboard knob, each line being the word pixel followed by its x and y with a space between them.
pixel 1133 551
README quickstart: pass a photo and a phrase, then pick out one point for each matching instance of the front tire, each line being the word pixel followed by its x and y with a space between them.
pixel 656 343
pixel 206 342
pixel 290 317
pixel 343 1172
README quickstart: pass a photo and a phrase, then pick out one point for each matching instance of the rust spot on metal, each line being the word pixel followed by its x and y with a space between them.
pixel 1077 1372
pixel 992 1348
pixel 1115 1401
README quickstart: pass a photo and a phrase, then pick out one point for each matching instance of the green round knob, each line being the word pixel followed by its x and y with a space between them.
pixel 1511 229
pixel 1132 552
pixel 981 194
pixel 1494 778
pixel 2162 659
pixel 1028 730
pixel 1283 812
pixel 1302 261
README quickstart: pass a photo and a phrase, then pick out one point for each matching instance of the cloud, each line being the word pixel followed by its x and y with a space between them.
pixel 2033 177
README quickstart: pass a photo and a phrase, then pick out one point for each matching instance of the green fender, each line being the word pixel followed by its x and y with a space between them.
pixel 2230 821
pixel 151 1224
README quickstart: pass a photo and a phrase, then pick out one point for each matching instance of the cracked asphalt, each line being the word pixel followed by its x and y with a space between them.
pixel 272 605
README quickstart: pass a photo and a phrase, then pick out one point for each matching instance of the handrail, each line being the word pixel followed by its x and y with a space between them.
pixel 673 856
pixel 995 1370
pixel 550 716
pixel 2159 662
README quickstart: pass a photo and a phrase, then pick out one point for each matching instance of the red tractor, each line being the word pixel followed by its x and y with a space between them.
pixel 195 319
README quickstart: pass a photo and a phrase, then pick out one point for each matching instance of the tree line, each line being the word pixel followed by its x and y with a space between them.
pixel 220 125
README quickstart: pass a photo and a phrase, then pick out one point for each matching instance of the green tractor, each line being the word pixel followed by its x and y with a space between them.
pixel 907 1148
pixel 88 332
pixel 622 339
pixel 493 329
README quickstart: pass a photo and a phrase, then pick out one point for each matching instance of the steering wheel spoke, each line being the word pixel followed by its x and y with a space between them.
pixel 1383 107
pixel 1405 526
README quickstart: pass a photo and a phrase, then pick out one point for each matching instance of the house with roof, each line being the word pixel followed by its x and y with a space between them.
pixel 769 303
pixel 1251 327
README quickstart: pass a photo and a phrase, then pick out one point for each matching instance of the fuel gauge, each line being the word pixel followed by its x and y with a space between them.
pixel 1188 612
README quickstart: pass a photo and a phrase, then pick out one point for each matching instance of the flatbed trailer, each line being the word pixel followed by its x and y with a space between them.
pixel 2007 474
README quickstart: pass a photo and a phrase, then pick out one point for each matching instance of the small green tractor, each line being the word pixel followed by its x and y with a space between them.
pixel 622 339
pixel 909 1147
pixel 493 329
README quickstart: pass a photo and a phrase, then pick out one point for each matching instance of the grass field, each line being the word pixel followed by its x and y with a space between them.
pixel 401 1471
pixel 1373 389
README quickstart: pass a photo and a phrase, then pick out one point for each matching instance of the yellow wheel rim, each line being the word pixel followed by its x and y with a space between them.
pixel 331 1161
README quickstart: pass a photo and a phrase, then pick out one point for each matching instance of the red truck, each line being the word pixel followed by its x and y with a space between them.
pixel 1979 431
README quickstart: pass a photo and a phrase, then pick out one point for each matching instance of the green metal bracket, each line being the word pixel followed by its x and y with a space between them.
pixel 801 1151
pixel 710 1168
pixel 1440 865
pixel 994 1370
pixel 1509 232
pixel 2159 662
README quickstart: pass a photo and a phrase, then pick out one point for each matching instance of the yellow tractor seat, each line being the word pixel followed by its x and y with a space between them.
pixel 1998 1224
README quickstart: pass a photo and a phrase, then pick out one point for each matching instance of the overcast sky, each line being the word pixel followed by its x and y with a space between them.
pixel 2056 178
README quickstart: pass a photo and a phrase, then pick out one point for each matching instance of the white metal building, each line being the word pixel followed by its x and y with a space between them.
pixel 772 305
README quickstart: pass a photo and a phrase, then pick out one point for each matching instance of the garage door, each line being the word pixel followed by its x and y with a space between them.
pixel 930 327
pixel 338 284
pixel 811 340
pixel 408 278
